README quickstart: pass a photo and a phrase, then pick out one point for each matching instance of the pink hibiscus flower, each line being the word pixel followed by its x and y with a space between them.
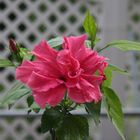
pixel 73 70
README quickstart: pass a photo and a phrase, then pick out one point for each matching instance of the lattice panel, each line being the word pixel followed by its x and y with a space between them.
pixel 31 21
pixel 133 88
pixel 134 22
pixel 21 129
pixel 134 57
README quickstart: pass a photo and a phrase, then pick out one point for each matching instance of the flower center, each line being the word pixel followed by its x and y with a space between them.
pixel 62 78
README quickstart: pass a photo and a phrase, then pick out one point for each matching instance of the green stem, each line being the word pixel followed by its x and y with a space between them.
pixel 92 44
pixel 53 134
pixel 74 107
pixel 65 98
pixel 103 48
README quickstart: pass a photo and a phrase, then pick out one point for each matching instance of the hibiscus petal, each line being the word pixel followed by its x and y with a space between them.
pixel 85 92
pixel 24 71
pixel 76 95
pixel 52 96
pixel 47 68
pixel 92 86
pixel 103 65
pixel 44 52
pixel 93 79
pixel 67 62
pixel 93 62
pixel 75 45
pixel 72 80
pixel 41 83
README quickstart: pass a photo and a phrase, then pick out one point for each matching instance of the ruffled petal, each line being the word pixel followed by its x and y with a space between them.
pixel 93 79
pixel 76 95
pixel 44 52
pixel 41 83
pixel 103 65
pixel 24 71
pixel 85 92
pixel 66 62
pixel 51 97
pixel 93 62
pixel 72 80
pixel 75 45
pixel 47 68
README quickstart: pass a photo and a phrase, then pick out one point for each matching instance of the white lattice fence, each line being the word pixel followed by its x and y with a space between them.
pixel 30 21
pixel 133 88
pixel 134 34
pixel 21 129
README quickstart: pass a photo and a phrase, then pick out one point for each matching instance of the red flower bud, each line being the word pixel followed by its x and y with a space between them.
pixel 12 45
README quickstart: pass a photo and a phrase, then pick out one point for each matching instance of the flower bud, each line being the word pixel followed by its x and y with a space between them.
pixel 12 46
pixel 15 51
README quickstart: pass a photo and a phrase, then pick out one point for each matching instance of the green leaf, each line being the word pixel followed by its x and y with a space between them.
pixel 15 93
pixel 88 42
pixel 24 53
pixel 73 127
pixel 51 118
pixel 30 100
pixel 55 42
pixel 117 69
pixel 90 26
pixel 94 109
pixel 108 74
pixel 35 107
pixel 6 63
pixel 123 45
pixel 97 40
pixel 114 110
pixel 32 105
pixel 58 41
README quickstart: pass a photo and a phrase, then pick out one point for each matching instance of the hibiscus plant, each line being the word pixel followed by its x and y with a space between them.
pixel 63 74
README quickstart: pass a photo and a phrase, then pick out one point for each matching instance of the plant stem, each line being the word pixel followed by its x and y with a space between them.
pixel 53 134
pixel 103 48
pixel 92 44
